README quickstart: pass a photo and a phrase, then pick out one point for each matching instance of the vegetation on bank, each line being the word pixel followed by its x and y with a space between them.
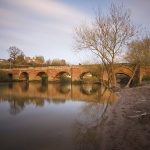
pixel 4 77
pixel 65 78
pixel 139 52
pixel 146 78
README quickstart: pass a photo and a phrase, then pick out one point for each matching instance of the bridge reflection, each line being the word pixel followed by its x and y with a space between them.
pixel 21 94
pixel 83 92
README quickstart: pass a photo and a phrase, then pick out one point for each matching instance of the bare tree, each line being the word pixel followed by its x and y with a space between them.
pixel 106 37
pixel 14 52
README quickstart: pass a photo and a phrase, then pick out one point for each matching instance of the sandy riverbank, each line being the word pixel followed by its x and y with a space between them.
pixel 126 124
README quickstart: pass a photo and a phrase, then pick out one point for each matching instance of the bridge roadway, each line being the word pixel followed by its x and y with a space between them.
pixel 76 72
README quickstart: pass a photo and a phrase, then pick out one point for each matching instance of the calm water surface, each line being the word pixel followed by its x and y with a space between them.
pixel 51 117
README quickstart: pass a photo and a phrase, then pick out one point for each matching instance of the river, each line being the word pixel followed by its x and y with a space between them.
pixel 52 116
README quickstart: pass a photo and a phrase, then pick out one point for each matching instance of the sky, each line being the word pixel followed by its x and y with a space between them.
pixel 46 27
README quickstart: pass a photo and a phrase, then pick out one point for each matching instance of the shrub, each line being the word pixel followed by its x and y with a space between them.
pixel 65 78
pixel 4 76
pixel 146 78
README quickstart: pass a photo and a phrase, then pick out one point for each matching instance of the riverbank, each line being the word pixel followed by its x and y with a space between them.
pixel 126 124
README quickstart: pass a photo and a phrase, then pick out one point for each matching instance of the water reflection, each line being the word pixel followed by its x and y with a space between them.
pixel 52 116
pixel 52 92
pixel 64 88
pixel 89 89
pixel 24 86
pixel 21 94
pixel 87 126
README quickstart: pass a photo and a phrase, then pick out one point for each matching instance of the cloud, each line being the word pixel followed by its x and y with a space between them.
pixel 140 10
pixel 23 15
pixel 50 7
pixel 45 9
pixel 39 27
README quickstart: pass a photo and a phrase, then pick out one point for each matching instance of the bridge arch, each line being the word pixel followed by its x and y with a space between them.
pixel 42 76
pixel 89 77
pixel 122 79
pixel 124 70
pixel 63 76
pixel 24 76
pixel 123 75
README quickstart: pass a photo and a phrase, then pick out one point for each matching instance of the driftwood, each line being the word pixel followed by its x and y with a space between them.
pixel 140 115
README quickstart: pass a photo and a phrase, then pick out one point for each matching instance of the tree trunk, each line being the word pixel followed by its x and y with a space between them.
pixel 129 82
pixel 114 81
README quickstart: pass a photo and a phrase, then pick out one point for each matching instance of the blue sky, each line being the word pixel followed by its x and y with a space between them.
pixel 45 27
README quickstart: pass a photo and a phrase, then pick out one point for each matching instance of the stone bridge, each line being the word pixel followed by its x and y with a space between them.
pixel 75 72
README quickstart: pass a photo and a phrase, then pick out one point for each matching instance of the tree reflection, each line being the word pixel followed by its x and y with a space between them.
pixel 10 85
pixel 87 125
pixel 16 106
pixel 37 102
pixel 89 121
pixel 58 101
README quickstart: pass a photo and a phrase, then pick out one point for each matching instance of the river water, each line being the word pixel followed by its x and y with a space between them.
pixel 52 116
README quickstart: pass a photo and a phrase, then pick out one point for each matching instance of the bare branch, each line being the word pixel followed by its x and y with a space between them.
pixel 107 35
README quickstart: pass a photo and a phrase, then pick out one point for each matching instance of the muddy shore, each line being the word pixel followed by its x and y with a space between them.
pixel 126 124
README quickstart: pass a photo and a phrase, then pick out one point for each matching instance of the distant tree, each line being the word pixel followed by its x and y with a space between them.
pixel 48 62
pixel 4 61
pixel 58 62
pixel 13 53
pixel 63 62
pixel 39 60
pixel 106 36
pixel 21 59
pixel 139 52
pixel 28 59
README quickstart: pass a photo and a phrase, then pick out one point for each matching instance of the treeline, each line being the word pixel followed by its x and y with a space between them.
pixel 17 58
